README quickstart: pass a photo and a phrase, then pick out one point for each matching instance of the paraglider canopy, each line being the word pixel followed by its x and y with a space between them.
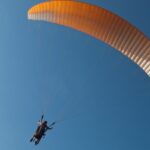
pixel 99 23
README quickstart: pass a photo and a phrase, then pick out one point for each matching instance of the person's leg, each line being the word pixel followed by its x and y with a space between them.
pixel 32 139
pixel 36 142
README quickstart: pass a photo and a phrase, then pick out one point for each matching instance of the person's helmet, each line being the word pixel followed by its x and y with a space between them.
pixel 45 122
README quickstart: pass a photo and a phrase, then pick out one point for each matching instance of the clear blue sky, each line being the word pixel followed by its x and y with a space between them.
pixel 65 73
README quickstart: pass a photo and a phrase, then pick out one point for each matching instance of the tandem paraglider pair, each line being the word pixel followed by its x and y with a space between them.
pixel 41 130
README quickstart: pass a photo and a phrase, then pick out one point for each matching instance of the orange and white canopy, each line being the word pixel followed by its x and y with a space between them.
pixel 99 23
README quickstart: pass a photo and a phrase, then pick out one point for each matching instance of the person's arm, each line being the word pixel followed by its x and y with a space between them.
pixel 49 128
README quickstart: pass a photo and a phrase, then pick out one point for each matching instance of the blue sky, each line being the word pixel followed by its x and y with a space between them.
pixel 102 95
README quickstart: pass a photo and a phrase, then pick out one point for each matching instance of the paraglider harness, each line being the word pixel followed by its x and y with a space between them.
pixel 41 130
